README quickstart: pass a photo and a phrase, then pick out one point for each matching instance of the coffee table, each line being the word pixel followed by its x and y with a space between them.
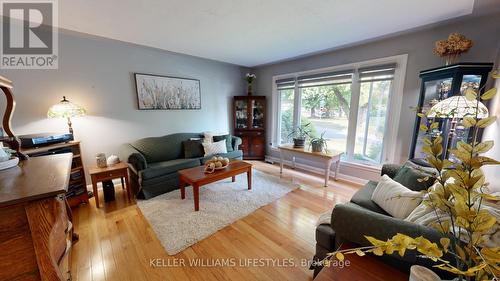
pixel 196 177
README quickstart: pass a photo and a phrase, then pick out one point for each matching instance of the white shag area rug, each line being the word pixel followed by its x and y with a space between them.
pixel 178 226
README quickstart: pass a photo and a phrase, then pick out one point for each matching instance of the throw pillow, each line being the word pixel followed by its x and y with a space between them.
pixel 208 137
pixel 394 198
pixel 215 148
pixel 424 213
pixel 228 139
pixel 420 167
pixel 409 177
pixel 193 149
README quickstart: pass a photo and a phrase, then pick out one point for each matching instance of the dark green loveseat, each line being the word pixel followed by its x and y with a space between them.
pixel 350 222
pixel 154 162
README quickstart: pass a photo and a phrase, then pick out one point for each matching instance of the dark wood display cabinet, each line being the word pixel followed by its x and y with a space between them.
pixel 249 113
pixel 439 84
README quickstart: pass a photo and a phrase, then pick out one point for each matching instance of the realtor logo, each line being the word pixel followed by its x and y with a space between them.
pixel 29 35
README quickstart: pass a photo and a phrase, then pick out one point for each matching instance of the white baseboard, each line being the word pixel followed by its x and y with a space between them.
pixel 317 170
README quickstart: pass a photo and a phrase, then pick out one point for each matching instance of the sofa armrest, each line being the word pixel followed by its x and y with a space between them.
pixel 390 169
pixel 352 222
pixel 133 157
pixel 236 142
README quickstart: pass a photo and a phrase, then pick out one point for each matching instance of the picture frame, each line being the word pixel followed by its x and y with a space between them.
pixel 158 92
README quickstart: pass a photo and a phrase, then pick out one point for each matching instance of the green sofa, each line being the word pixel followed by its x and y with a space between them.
pixel 154 162
pixel 350 222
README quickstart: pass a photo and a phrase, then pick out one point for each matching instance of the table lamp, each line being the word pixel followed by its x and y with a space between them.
pixel 66 109
pixel 457 107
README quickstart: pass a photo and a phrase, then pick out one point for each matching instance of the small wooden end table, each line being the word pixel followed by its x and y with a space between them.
pixel 196 177
pixel 325 157
pixel 115 171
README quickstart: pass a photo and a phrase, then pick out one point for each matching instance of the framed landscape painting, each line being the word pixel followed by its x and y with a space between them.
pixel 165 92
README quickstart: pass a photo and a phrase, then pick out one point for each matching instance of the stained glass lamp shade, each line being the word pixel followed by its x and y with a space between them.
pixel 458 107
pixel 66 109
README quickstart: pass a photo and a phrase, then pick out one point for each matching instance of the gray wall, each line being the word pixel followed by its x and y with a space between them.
pixel 97 73
pixel 418 45
pixel 492 173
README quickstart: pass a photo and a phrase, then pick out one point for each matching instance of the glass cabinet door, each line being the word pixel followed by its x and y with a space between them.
pixel 439 84
pixel 434 92
pixel 461 133
pixel 257 114
pixel 241 114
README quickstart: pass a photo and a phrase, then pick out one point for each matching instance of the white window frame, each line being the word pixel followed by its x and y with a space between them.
pixel 393 109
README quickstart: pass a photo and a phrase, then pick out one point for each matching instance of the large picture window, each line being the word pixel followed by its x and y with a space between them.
pixel 350 106
pixel 325 103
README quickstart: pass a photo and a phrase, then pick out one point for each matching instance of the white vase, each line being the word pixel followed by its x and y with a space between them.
pixel 420 273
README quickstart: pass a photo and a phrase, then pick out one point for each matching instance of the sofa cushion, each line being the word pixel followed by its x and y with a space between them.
pixel 229 141
pixel 159 149
pixel 325 236
pixel 408 177
pixel 422 166
pixel 168 167
pixel 193 149
pixel 236 154
pixel 363 198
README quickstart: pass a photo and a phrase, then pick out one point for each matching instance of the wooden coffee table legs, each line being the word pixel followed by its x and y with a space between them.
pixel 196 196
pixel 249 178
pixel 182 185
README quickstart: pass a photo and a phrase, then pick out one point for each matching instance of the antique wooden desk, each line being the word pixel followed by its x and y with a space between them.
pixel 35 220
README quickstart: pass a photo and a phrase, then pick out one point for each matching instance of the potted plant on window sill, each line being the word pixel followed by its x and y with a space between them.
pixel 319 144
pixel 300 134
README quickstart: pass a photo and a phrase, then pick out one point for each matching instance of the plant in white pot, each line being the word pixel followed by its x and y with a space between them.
pixel 319 144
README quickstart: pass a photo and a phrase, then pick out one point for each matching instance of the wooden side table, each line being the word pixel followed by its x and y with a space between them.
pixel 326 157
pixel 119 170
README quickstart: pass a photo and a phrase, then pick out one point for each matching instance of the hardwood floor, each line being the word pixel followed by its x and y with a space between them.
pixel 117 243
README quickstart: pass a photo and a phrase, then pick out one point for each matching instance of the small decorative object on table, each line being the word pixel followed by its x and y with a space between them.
pixel 250 77
pixel 300 134
pixel 319 144
pixel 452 47
pixel 7 158
pixel 216 163
pixel 113 159
pixel 101 160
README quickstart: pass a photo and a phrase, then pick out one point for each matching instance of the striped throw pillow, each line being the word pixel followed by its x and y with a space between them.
pixel 215 148
pixel 396 199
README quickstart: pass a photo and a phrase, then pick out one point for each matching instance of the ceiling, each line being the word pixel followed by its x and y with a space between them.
pixel 252 32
